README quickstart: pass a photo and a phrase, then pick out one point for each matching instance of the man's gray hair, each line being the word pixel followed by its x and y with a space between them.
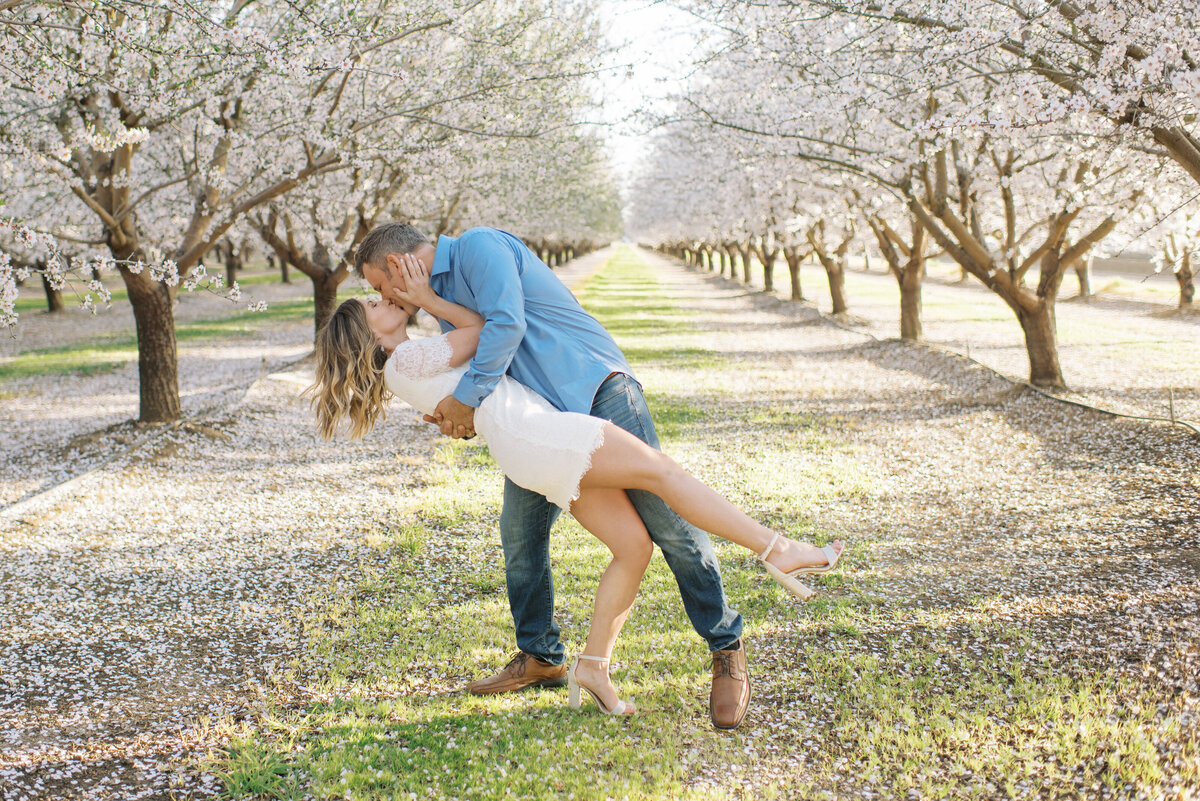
pixel 384 240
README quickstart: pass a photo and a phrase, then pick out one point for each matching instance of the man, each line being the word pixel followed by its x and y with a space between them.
pixel 538 333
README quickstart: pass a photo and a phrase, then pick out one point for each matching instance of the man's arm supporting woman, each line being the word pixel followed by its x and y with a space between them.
pixel 488 266
pixel 463 339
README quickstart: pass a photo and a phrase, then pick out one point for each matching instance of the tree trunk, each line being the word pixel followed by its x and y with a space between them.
pixel 232 264
pixel 746 252
pixel 1187 281
pixel 837 285
pixel 907 266
pixel 284 276
pixel 725 263
pixel 793 262
pixel 54 299
pixel 158 359
pixel 1083 271
pixel 325 291
pixel 769 270
pixel 910 300
pixel 1041 342
pixel 835 271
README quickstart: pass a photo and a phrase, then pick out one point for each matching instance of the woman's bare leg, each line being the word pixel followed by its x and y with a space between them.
pixel 625 462
pixel 609 515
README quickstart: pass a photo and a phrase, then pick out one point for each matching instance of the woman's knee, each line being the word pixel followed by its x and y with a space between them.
pixel 635 552
pixel 663 473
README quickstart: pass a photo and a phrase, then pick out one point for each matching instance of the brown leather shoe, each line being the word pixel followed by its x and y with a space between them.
pixel 524 670
pixel 730 688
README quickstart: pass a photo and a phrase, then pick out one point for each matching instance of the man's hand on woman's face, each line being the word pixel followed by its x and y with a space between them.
pixel 393 278
pixel 415 274
pixel 385 279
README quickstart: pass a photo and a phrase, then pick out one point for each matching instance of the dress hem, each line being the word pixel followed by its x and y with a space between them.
pixel 597 441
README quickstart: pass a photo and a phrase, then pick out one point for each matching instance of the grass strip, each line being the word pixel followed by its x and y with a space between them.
pixel 33 297
pixel 110 354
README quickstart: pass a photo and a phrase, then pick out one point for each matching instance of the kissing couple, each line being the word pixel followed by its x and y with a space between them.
pixel 520 362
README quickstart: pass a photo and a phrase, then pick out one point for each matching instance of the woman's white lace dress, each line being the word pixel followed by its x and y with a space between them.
pixel 537 446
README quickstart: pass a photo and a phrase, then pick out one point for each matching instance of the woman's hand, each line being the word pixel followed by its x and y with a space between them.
pixel 416 283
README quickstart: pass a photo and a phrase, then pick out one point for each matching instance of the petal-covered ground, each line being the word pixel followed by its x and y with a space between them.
pixel 1126 349
pixel 236 605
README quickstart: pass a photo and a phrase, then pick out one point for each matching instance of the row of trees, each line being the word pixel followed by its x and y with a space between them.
pixel 137 137
pixel 1016 139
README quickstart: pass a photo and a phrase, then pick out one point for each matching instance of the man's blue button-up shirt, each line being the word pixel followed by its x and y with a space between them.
pixel 534 328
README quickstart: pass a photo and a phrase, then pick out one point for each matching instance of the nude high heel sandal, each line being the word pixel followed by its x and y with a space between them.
pixel 788 580
pixel 574 685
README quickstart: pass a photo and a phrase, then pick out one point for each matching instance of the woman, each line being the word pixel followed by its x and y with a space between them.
pixel 583 464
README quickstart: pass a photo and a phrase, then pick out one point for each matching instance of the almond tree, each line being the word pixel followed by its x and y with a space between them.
pixel 1174 229
pixel 719 201
pixel 296 228
pixel 1042 208
pixel 902 241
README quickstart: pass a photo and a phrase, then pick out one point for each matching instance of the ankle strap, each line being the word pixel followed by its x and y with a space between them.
pixel 770 547
pixel 593 658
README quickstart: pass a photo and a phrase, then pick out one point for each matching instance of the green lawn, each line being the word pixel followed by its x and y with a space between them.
pixel 871 695
pixel 33 297
pixel 110 354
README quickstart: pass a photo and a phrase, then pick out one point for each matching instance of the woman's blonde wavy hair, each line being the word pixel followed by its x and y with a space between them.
pixel 349 381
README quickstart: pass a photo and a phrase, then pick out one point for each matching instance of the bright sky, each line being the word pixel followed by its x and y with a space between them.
pixel 658 41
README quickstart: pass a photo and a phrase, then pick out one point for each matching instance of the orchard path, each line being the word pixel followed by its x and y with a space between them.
pixel 1126 350
pixel 165 590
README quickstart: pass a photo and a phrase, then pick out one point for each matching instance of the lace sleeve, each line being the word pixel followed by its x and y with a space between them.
pixel 418 359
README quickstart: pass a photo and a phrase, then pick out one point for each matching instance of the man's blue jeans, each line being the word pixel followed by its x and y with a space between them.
pixel 525 536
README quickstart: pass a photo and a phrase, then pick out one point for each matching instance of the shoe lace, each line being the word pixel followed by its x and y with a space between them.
pixel 516 665
pixel 723 664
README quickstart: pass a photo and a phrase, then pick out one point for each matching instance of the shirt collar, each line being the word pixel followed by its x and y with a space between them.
pixel 441 255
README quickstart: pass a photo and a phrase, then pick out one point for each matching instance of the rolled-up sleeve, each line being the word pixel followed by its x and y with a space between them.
pixel 489 268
